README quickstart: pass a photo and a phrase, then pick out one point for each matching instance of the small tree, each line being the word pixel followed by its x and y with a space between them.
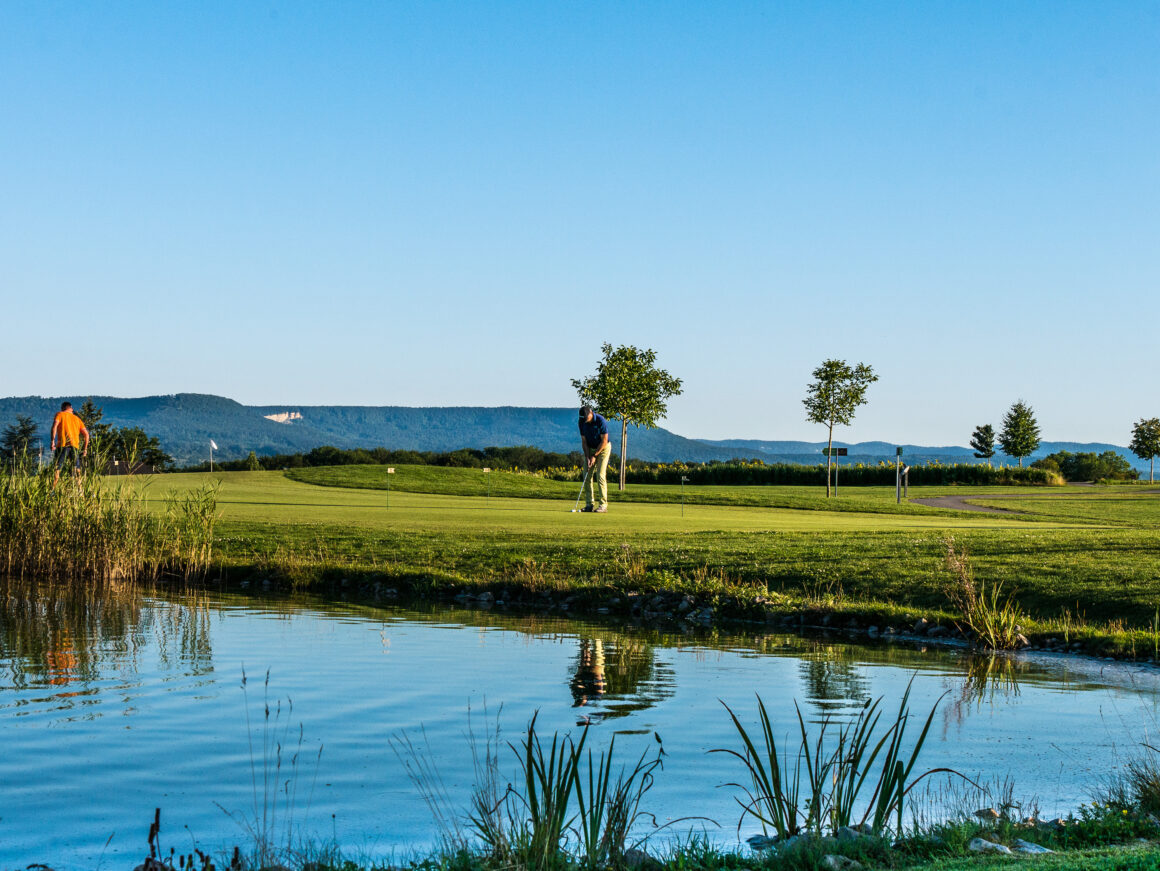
pixel 136 448
pixel 983 442
pixel 1146 442
pixel 1020 435
pixel 18 439
pixel 834 396
pixel 252 464
pixel 629 388
pixel 101 434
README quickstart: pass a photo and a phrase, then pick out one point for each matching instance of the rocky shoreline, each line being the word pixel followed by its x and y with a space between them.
pixel 688 613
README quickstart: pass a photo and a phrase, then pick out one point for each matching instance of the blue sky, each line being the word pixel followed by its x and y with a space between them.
pixel 393 203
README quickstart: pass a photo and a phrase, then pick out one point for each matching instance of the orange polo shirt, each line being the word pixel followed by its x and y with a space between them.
pixel 67 428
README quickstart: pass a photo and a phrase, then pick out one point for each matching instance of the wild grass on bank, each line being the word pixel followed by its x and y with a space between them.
pixel 86 528
pixel 817 786
pixel 992 618
pixel 1137 784
pixel 565 807
pixel 564 810
pixel 274 818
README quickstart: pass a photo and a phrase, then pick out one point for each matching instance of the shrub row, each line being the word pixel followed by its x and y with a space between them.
pixel 755 472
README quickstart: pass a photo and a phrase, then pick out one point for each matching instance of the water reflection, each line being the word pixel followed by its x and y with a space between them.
pixel 357 672
pixel 616 675
pixel 986 676
pixel 589 680
pixel 834 681
pixel 65 638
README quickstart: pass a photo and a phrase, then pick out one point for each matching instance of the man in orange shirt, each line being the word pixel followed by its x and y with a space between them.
pixel 67 430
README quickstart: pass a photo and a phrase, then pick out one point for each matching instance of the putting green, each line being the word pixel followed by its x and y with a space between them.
pixel 269 497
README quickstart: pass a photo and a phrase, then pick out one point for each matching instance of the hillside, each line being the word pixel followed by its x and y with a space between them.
pixel 446 429
pixel 185 423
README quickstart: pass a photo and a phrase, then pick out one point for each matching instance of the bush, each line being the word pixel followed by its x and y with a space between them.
pixel 756 472
pixel 1087 466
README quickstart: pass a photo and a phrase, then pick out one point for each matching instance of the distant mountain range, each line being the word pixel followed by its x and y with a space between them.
pixel 186 422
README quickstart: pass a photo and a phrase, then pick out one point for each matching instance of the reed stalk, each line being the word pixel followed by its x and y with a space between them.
pixel 608 809
pixel 992 618
pixel 550 776
pixel 85 528
pixel 820 784
pixel 274 777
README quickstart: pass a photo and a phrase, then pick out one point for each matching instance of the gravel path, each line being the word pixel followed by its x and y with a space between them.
pixel 959 503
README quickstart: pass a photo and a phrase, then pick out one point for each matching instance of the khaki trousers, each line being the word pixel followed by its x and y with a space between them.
pixel 598 480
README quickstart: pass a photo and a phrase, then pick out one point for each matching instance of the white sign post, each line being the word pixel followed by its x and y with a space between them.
pixel 390 471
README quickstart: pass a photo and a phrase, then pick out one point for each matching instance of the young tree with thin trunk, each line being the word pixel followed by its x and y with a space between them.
pixel 834 396
pixel 1020 435
pixel 629 388
pixel 983 442
pixel 1146 442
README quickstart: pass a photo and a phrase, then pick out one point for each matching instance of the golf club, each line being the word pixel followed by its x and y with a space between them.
pixel 583 483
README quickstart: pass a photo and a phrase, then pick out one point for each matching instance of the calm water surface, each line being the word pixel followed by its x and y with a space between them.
pixel 112 706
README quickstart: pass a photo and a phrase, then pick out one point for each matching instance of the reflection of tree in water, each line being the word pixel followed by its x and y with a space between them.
pixel 834 682
pixel 56 636
pixel 616 675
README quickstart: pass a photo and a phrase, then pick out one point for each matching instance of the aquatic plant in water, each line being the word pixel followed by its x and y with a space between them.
pixel 818 785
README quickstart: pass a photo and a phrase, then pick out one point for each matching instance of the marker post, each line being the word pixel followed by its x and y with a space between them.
pixel 898 476
pixel 390 471
pixel 488 471
pixel 684 480
pixel 835 453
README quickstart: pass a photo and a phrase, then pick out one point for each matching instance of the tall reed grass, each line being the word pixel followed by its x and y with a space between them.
pixel 273 824
pixel 86 528
pixel 820 784
pixel 992 618
pixel 608 808
pixel 567 807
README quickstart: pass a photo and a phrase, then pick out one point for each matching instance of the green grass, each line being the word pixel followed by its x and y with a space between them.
pixel 1084 568
pixel 1120 506
pixel 1132 858
pixel 474 482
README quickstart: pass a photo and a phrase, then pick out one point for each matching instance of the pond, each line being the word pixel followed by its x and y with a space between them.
pixel 113 705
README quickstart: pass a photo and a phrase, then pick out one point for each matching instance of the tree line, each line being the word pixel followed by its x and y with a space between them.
pixel 1019 438
pixel 522 457
pixel 21 443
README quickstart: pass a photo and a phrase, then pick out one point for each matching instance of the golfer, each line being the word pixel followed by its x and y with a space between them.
pixel 597 450
pixel 65 439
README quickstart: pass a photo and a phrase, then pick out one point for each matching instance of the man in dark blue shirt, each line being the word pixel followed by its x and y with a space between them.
pixel 597 450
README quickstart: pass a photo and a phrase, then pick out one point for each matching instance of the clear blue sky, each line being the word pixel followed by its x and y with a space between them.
pixel 456 203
